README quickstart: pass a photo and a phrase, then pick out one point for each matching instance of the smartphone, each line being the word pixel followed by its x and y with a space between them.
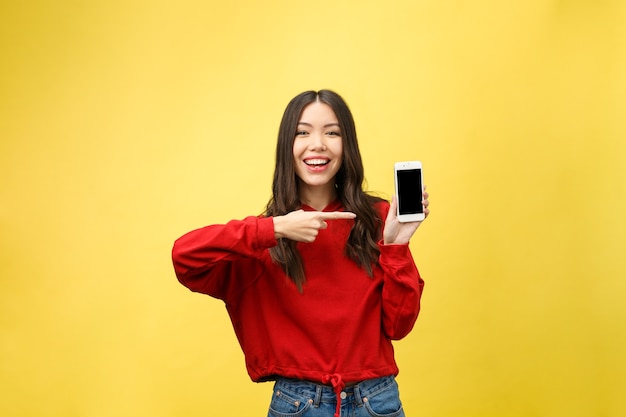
pixel 409 189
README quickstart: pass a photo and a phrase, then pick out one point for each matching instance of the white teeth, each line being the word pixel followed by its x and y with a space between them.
pixel 316 161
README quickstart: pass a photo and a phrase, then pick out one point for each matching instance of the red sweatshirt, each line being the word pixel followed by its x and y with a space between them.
pixel 339 329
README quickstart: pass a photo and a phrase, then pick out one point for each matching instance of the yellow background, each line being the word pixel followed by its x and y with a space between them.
pixel 124 124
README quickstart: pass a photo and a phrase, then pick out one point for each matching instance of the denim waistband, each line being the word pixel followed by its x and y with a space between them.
pixel 320 393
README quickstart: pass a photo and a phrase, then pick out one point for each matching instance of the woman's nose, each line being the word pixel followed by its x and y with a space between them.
pixel 317 142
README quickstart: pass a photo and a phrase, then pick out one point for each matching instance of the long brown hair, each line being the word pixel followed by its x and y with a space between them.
pixel 361 246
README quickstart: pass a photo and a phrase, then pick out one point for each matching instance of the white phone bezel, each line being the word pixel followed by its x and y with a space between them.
pixel 403 166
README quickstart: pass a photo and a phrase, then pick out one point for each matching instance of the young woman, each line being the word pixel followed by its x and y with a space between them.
pixel 320 284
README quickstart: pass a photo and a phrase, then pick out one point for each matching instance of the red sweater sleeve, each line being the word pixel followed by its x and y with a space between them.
pixel 402 286
pixel 219 260
pixel 402 290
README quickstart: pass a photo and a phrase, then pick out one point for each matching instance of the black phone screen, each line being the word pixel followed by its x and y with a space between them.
pixel 410 191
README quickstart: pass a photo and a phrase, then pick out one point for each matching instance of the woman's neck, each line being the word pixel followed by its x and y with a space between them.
pixel 317 197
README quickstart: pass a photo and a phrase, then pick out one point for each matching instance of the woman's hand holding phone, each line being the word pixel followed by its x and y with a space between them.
pixel 397 233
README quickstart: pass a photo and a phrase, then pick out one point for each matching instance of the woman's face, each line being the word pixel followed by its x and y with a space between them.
pixel 318 146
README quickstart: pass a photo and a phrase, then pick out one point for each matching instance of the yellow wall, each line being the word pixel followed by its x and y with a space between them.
pixel 124 124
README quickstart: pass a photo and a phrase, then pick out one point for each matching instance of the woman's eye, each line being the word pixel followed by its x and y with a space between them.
pixel 334 133
pixel 301 133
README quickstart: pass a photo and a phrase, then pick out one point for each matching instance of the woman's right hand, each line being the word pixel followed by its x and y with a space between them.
pixel 304 226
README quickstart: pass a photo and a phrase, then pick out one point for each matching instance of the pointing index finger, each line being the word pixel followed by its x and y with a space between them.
pixel 335 215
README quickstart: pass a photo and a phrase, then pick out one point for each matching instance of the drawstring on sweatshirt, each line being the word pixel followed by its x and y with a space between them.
pixel 338 385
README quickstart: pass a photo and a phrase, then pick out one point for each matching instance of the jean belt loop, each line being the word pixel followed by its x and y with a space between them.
pixel 357 395
pixel 318 395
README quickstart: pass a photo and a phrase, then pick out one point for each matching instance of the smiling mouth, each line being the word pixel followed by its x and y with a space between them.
pixel 316 162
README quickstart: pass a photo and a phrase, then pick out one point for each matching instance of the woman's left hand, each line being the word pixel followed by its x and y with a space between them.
pixel 396 233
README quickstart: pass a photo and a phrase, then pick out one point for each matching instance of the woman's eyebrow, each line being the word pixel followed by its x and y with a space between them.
pixel 326 125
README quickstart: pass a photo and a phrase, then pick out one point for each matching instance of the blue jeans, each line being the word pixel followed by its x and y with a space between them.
pixel 377 397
